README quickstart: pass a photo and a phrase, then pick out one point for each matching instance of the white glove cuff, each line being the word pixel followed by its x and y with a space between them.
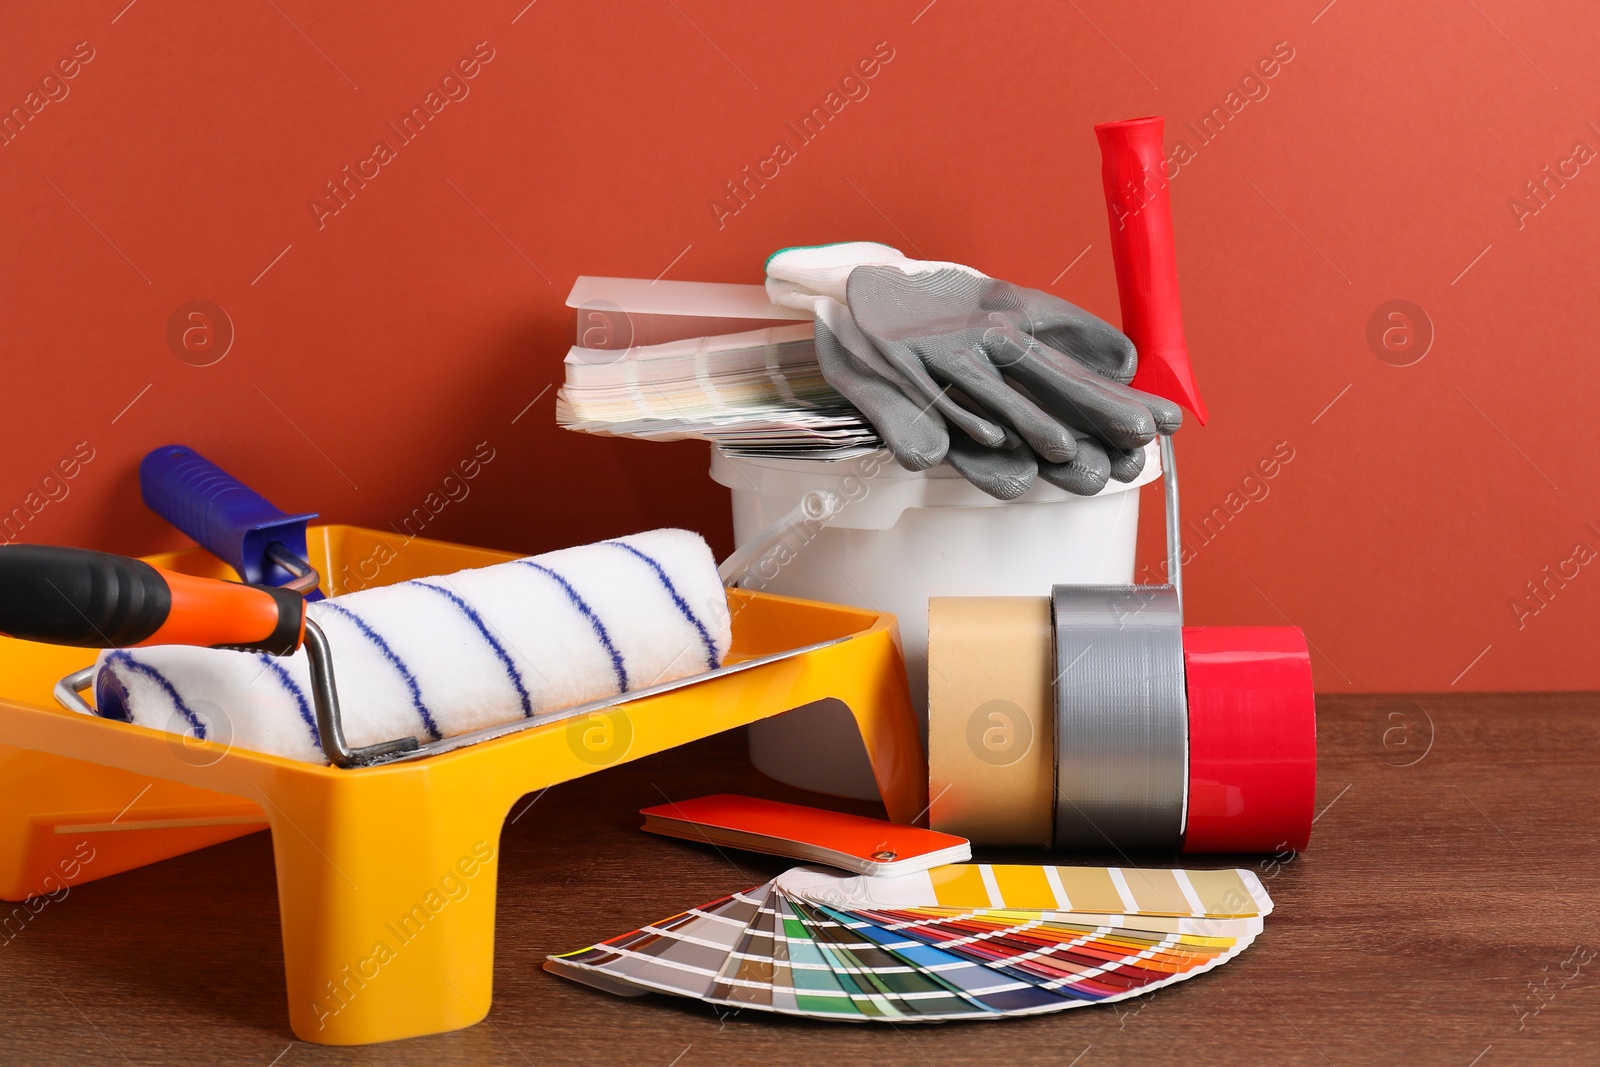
pixel 796 277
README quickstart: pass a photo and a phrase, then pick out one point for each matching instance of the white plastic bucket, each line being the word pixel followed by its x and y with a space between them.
pixel 885 538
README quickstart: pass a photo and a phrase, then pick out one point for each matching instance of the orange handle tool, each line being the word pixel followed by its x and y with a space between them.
pixel 74 596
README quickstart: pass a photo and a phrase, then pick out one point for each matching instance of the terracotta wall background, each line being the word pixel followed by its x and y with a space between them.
pixel 1437 468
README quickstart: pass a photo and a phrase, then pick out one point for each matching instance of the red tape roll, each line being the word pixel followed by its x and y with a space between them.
pixel 1252 739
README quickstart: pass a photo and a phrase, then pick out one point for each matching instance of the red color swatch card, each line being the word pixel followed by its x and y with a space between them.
pixel 811 835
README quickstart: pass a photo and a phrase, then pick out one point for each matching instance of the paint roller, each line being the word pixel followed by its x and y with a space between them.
pixel 1093 719
pixel 427 666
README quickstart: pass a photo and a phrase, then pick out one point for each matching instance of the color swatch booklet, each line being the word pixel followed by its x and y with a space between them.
pixel 963 941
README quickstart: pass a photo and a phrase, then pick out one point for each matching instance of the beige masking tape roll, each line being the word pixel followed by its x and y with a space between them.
pixel 991 719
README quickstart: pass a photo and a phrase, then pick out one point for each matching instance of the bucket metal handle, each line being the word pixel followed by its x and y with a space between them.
pixel 1169 491
pixel 817 508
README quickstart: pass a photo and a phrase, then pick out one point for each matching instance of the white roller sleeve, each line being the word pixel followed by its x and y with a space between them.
pixel 445 655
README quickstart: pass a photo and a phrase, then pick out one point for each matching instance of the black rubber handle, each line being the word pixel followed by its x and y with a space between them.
pixel 74 596
pixel 69 596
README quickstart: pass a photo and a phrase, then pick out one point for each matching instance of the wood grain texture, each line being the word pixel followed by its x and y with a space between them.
pixel 1452 867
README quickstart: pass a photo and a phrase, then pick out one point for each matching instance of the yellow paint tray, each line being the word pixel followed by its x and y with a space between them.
pixel 370 861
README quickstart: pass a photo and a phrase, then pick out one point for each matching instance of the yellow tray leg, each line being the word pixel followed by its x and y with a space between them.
pixel 874 689
pixel 386 897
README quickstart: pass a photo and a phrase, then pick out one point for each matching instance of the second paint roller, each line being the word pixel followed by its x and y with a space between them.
pixel 1092 719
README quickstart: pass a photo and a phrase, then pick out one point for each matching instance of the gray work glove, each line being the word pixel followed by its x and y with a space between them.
pixel 1031 385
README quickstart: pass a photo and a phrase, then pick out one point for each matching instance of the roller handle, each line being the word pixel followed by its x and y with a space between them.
pixel 224 516
pixel 1132 169
pixel 73 596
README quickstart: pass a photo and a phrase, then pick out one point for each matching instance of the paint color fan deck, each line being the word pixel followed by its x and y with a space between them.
pixel 964 941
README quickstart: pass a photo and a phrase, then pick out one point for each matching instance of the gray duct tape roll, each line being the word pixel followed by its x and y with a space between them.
pixel 1122 721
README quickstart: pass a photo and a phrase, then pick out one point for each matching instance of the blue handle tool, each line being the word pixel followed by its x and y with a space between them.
pixel 228 519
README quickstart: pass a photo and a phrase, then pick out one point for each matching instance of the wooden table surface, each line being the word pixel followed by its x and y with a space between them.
pixel 1447 912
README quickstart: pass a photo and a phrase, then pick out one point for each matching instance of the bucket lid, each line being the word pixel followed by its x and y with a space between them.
pixel 1252 739
pixel 878 489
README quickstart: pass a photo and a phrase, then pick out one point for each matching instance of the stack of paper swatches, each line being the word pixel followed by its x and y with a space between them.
pixel 758 393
